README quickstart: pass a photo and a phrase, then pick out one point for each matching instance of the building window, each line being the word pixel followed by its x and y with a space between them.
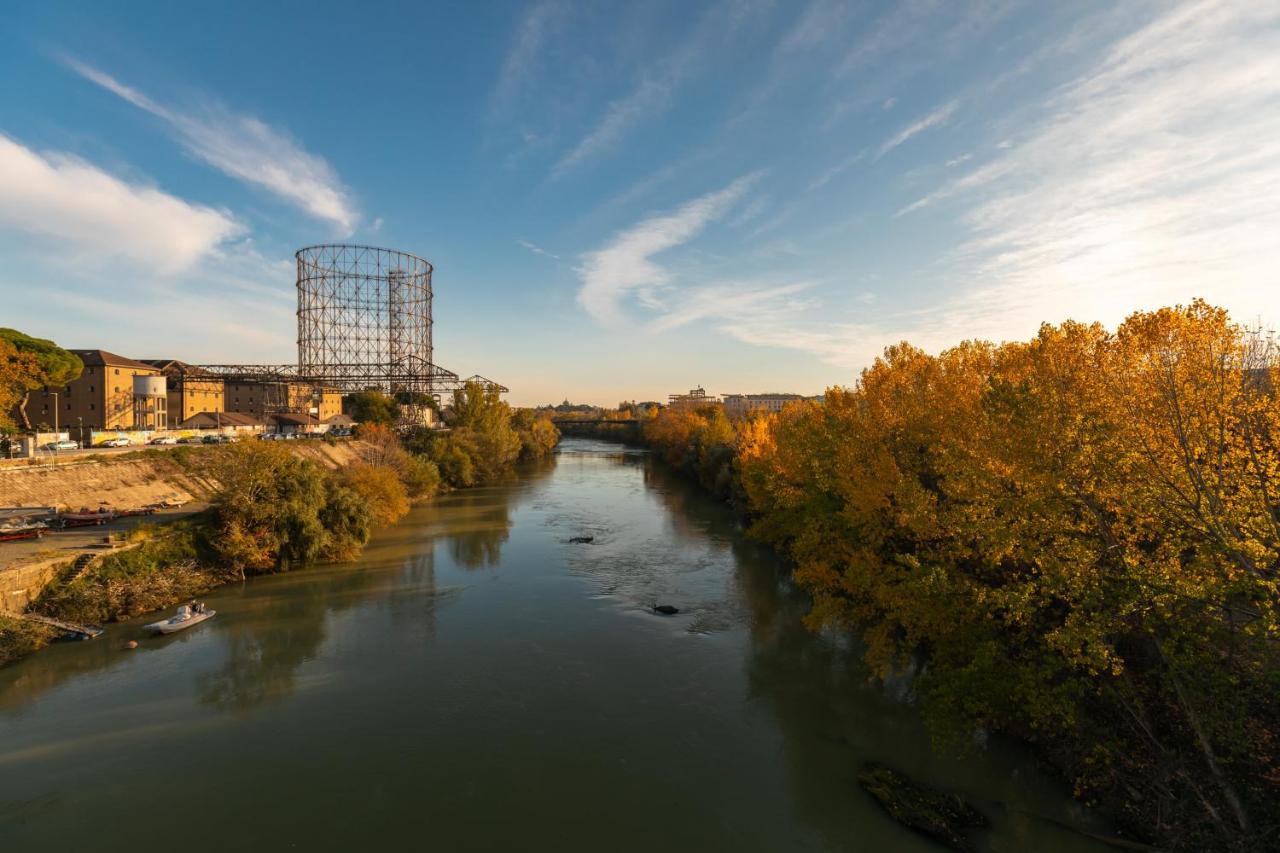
pixel 91 407
pixel 117 371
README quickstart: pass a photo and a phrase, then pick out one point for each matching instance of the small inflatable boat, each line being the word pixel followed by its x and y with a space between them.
pixel 185 618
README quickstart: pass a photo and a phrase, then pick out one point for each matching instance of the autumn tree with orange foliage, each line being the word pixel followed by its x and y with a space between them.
pixel 379 488
pixel 1073 539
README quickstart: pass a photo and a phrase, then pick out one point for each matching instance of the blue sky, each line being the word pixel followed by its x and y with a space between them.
pixel 623 200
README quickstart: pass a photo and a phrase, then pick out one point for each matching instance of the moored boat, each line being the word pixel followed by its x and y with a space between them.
pixel 186 617
pixel 85 517
pixel 17 534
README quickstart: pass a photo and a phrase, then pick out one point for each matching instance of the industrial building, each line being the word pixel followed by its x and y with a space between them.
pixel 190 389
pixel 102 398
pixel 364 323
pixel 263 398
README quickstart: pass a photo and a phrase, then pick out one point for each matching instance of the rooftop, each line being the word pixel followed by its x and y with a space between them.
pixel 102 358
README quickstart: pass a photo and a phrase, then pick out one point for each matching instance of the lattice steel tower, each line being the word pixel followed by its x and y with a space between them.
pixel 364 318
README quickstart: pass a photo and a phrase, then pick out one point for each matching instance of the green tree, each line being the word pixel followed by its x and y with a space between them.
pixel 372 407
pixel 32 363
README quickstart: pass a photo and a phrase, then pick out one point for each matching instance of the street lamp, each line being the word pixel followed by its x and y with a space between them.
pixel 57 436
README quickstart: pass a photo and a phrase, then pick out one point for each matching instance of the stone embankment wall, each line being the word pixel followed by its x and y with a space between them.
pixel 126 483
pixel 132 481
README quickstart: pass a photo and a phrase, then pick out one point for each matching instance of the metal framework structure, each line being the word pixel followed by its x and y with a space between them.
pixel 364 322
pixel 364 317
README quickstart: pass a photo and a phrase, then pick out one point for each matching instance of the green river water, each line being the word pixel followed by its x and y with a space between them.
pixel 474 682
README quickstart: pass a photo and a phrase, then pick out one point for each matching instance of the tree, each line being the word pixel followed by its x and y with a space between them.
pixel 31 363
pixel 372 407
pixel 379 489
pixel 268 508
pixel 1074 539
pixel 15 369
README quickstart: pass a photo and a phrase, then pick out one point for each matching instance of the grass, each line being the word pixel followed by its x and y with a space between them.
pixel 19 638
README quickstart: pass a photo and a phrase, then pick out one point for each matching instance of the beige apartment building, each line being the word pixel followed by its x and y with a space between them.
pixel 191 390
pixel 743 405
pixel 102 398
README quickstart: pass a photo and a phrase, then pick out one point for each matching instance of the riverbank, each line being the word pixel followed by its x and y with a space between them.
pixel 274 507
pixel 472 648
pixel 142 477
pixel 1038 531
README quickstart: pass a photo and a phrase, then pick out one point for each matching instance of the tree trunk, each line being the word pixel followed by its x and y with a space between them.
pixel 1206 748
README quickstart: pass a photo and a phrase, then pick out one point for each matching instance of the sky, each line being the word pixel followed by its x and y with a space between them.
pixel 626 200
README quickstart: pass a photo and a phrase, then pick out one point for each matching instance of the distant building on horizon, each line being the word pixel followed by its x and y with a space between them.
pixel 697 398
pixel 743 405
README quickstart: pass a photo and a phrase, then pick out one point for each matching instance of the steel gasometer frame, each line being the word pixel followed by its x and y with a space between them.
pixel 364 316
pixel 364 322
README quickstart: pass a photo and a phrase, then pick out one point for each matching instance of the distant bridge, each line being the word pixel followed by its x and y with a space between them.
pixel 594 421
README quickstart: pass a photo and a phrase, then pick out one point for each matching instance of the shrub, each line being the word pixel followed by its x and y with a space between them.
pixel 379 488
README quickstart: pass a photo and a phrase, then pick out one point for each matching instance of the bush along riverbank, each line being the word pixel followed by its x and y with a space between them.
pixel 1074 540
pixel 275 511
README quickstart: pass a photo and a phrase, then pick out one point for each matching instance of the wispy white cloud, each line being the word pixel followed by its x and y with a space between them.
pixel 729 304
pixel 60 196
pixel 650 96
pixel 521 63
pixel 537 250
pixel 905 41
pixel 1151 179
pixel 826 176
pixel 625 267
pixel 938 117
pixel 659 83
pixel 956 161
pixel 750 211
pixel 819 22
pixel 247 149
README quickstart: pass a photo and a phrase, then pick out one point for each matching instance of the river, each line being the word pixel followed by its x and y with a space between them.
pixel 475 682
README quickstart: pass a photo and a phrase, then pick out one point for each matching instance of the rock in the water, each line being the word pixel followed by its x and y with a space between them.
pixel 944 817
pixel 582 540
pixel 132 644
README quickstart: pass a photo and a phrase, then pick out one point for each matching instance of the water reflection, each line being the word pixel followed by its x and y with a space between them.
pixel 409 692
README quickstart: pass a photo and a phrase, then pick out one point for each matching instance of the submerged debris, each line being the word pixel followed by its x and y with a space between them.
pixel 581 540
pixel 944 817
pixel 666 609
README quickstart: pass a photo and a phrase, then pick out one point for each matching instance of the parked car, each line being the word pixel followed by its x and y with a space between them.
pixel 116 442
pixel 189 439
pixel 60 445
pixel 217 439
pixel 163 439
pixel 271 436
